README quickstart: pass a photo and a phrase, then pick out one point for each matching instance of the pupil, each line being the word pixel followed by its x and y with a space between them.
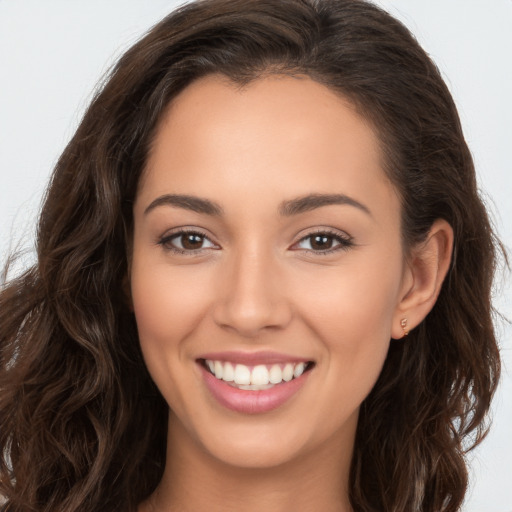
pixel 321 242
pixel 192 241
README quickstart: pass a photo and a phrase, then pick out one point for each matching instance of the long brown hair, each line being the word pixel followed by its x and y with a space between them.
pixel 82 426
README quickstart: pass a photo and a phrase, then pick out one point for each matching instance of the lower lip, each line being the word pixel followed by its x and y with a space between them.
pixel 252 402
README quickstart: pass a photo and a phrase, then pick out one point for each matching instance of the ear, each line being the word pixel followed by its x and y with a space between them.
pixel 426 269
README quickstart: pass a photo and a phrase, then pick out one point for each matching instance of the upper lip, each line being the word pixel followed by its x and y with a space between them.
pixel 254 358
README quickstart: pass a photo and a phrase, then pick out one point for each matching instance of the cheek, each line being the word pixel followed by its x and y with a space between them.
pixel 353 303
pixel 167 305
pixel 351 311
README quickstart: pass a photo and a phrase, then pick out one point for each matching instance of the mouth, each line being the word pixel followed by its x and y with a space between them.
pixel 251 384
pixel 257 377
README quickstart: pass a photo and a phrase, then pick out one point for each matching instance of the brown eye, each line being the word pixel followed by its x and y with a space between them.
pixel 321 242
pixel 324 242
pixel 186 241
pixel 191 241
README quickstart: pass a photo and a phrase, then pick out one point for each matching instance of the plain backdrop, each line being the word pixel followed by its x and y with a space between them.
pixel 53 53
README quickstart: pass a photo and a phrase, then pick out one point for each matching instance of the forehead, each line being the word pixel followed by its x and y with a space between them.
pixel 279 134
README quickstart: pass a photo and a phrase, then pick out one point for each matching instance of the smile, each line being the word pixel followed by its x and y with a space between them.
pixel 257 377
pixel 253 384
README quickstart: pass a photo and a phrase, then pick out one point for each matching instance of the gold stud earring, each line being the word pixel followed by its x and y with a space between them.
pixel 403 325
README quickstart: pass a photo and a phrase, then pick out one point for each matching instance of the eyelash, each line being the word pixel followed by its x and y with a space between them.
pixel 345 242
pixel 165 242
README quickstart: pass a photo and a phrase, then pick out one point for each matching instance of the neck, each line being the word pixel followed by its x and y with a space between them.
pixel 194 480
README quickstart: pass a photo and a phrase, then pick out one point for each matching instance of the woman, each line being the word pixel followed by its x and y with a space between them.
pixel 263 278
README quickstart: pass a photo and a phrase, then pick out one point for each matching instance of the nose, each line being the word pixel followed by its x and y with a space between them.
pixel 251 296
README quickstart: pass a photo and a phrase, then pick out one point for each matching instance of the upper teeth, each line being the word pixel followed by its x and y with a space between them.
pixel 260 375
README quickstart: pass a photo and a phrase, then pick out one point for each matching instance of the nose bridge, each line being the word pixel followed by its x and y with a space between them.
pixel 252 298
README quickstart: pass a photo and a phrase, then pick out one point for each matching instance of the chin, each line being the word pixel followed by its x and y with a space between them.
pixel 257 453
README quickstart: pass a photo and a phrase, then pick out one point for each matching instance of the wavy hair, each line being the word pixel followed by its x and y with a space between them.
pixel 83 427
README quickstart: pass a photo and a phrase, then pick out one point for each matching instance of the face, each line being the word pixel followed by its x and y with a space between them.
pixel 267 251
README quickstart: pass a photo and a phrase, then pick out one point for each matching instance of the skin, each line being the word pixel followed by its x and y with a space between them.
pixel 257 283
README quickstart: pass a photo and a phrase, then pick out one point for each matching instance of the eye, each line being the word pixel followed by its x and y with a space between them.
pixel 186 242
pixel 324 242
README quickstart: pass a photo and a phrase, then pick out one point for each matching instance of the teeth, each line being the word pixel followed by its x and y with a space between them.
pixel 242 374
pixel 228 373
pixel 259 375
pixel 256 378
pixel 288 372
pixel 276 375
pixel 299 370
pixel 253 387
pixel 218 369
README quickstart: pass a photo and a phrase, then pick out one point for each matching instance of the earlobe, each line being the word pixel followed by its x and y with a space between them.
pixel 429 263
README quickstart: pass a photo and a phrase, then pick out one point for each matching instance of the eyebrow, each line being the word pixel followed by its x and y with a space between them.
pixel 286 209
pixel 313 201
pixel 192 203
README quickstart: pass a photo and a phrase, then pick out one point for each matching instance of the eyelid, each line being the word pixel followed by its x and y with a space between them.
pixel 165 240
pixel 345 241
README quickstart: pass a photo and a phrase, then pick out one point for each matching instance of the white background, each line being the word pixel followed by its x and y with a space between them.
pixel 53 52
